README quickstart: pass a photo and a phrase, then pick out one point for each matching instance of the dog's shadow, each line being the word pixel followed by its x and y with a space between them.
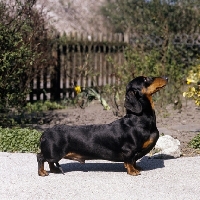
pixel 145 163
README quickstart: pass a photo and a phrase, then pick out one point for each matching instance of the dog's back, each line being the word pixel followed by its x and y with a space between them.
pixel 87 140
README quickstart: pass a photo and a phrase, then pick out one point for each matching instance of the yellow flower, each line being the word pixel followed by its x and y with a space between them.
pixel 184 94
pixel 190 81
pixel 77 89
pixel 192 89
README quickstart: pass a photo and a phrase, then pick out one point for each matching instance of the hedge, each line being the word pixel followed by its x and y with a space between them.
pixel 21 140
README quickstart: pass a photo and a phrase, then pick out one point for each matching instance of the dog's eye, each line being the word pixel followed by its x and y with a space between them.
pixel 145 79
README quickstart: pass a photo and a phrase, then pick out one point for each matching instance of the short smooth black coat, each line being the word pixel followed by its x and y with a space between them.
pixel 124 140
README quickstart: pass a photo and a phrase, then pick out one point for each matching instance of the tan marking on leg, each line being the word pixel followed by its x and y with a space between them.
pixel 75 156
pixel 131 170
pixel 41 171
pixel 125 165
pixel 135 166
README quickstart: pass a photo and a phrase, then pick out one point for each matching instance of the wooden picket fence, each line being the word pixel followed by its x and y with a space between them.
pixel 82 59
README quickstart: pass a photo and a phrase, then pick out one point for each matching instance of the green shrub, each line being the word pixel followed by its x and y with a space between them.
pixel 195 142
pixel 15 59
pixel 30 114
pixel 40 106
pixel 24 50
pixel 19 140
pixel 154 62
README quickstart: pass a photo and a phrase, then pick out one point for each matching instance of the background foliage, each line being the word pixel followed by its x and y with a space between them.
pixel 155 16
pixel 19 140
pixel 32 113
pixel 23 50
pixel 195 142
pixel 193 80
pixel 166 21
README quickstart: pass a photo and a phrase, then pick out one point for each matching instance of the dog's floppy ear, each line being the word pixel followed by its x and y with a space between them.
pixel 132 103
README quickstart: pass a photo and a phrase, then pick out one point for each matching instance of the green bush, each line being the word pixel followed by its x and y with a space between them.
pixel 15 59
pixel 19 140
pixel 24 50
pixel 30 114
pixel 154 62
pixel 155 52
pixel 42 106
pixel 154 17
pixel 195 142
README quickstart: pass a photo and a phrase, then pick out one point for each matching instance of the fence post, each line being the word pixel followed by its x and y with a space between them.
pixel 55 89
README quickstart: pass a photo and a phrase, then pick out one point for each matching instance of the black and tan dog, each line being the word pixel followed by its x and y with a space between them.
pixel 124 140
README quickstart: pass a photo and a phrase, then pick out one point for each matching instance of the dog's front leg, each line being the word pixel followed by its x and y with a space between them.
pixel 131 167
pixel 41 171
pixel 130 161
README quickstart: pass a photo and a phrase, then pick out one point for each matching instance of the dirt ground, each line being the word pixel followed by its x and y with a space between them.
pixel 183 124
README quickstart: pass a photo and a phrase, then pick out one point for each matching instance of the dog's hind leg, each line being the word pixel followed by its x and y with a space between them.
pixel 55 169
pixel 60 168
pixel 41 160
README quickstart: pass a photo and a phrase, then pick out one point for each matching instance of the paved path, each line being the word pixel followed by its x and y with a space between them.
pixel 161 180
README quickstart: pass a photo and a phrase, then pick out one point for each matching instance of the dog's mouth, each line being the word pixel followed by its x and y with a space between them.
pixel 158 88
pixel 157 84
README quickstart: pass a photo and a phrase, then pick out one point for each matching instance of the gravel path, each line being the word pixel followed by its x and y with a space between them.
pixel 161 179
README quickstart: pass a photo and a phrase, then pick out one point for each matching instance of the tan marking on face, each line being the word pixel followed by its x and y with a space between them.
pixel 157 84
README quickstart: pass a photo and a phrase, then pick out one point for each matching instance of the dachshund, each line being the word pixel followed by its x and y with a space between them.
pixel 124 140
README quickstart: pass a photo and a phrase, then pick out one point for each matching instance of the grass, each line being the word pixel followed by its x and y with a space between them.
pixel 195 142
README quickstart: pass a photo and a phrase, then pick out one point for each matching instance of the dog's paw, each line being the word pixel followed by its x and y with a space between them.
pixel 132 169
pixel 134 172
pixel 43 173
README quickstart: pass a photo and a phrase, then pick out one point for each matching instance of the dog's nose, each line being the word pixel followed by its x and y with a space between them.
pixel 165 77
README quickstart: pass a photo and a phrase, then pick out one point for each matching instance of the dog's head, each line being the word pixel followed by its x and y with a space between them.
pixel 142 88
